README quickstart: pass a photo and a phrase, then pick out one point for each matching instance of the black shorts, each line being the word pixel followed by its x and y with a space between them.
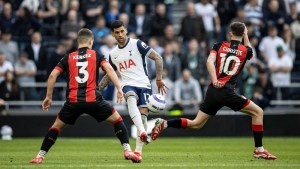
pixel 215 99
pixel 100 110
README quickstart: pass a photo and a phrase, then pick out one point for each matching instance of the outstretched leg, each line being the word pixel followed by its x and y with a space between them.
pixel 257 127
pixel 121 132
pixel 196 123
pixel 49 140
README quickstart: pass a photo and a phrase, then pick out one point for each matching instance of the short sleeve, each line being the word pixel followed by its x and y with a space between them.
pixel 111 63
pixel 62 64
pixel 101 59
pixel 249 53
pixel 144 49
pixel 215 48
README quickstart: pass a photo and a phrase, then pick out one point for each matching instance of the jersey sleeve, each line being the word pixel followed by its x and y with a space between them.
pixel 144 49
pixel 215 48
pixel 249 53
pixel 112 64
pixel 62 64
pixel 101 59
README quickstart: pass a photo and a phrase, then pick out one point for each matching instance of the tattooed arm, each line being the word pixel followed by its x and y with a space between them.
pixel 159 70
pixel 104 82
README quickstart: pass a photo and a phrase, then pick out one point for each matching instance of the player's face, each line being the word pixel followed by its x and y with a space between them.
pixel 120 34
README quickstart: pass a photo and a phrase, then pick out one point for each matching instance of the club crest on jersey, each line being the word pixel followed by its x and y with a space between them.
pixel 126 64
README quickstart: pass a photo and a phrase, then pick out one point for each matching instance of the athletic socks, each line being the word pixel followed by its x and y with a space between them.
pixel 177 123
pixel 48 141
pixel 139 143
pixel 135 113
pixel 121 131
pixel 258 135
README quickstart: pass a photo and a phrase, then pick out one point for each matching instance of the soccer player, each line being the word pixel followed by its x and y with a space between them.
pixel 83 96
pixel 129 59
pixel 230 58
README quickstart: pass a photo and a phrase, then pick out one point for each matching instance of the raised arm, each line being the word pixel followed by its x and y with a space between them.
pixel 246 39
pixel 50 85
pixel 159 70
pixel 111 74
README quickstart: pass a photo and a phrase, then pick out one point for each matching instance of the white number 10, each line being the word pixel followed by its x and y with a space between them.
pixel 224 66
pixel 82 70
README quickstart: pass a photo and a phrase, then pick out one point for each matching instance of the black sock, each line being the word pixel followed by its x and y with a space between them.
pixel 177 123
pixel 49 139
pixel 121 132
pixel 258 138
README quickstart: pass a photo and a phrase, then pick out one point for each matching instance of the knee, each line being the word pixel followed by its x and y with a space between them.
pixel 259 112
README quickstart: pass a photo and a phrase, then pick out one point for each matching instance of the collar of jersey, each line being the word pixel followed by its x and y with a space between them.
pixel 236 41
pixel 124 45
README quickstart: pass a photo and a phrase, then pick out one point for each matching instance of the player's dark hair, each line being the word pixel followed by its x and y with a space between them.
pixel 84 35
pixel 116 24
pixel 237 28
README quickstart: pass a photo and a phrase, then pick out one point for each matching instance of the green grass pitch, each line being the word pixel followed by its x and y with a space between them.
pixel 165 153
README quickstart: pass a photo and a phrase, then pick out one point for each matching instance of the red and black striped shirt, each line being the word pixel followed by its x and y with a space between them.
pixel 82 69
pixel 231 58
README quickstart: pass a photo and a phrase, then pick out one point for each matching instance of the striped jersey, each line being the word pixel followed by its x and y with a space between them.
pixel 130 61
pixel 82 70
pixel 230 60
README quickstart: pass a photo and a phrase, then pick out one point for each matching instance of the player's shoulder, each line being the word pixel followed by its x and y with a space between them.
pixel 114 50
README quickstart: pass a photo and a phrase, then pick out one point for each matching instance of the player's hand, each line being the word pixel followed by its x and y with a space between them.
pixel 120 96
pixel 246 31
pixel 162 88
pixel 46 103
pixel 217 84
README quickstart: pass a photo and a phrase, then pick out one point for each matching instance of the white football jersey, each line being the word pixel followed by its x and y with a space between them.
pixel 130 61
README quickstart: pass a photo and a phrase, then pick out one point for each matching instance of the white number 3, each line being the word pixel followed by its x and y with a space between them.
pixel 82 70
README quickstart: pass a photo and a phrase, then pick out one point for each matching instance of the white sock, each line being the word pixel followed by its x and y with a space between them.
pixel 260 149
pixel 42 153
pixel 126 146
pixel 139 143
pixel 135 113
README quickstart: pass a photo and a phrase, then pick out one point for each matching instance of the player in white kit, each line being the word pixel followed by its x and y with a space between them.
pixel 129 59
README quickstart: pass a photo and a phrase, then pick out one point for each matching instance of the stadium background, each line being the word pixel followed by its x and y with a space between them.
pixel 36 33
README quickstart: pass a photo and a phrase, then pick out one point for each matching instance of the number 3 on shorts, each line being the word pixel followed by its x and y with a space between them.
pixel 82 70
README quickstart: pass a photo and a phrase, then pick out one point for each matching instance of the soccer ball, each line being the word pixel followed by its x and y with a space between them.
pixel 156 103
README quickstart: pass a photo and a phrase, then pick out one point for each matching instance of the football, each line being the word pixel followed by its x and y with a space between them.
pixel 156 103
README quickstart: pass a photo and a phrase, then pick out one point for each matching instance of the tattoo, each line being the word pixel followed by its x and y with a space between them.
pixel 104 82
pixel 158 64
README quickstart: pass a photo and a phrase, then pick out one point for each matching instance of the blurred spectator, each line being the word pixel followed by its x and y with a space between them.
pixel 263 92
pixel 289 42
pixel 48 14
pixel 100 31
pixel 9 47
pixel 169 7
pixel 112 13
pixel 31 5
pixel 211 20
pixel 292 17
pixel 25 70
pixel 4 66
pixel 25 23
pixel 71 26
pixel 281 67
pixel 192 25
pixel 69 44
pixel 170 92
pixel 7 17
pixel 281 6
pixel 3 111
pixel 75 5
pixel 91 10
pixel 254 14
pixel 159 20
pixel 9 88
pixel 171 62
pixel 295 27
pixel 240 15
pixel 38 53
pixel 56 56
pixel 195 63
pixel 274 17
pixel 140 23
pixel 187 90
pixel 227 9
pixel 153 43
pixel 269 43
pixel 109 44
pixel 249 78
pixel 169 35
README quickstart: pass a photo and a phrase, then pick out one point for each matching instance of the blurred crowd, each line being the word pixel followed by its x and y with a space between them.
pixel 35 35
